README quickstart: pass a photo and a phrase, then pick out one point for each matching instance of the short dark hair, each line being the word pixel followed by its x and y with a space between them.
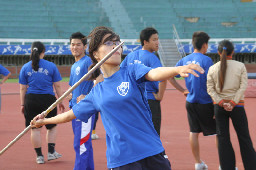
pixel 80 36
pixel 199 38
pixel 146 33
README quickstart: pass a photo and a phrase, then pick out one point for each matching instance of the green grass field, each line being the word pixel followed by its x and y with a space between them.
pixel 64 79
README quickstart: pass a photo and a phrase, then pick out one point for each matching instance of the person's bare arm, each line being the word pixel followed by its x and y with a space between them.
pixel 165 73
pixel 39 120
pixel 161 89
pixel 5 78
pixel 23 90
pixel 59 94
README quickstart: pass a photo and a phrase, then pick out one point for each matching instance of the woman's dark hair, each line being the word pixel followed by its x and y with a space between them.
pixel 80 36
pixel 37 48
pixel 95 42
pixel 96 29
pixel 199 38
pixel 146 33
pixel 225 49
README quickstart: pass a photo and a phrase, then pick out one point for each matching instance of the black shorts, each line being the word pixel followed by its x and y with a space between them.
pixel 36 104
pixel 155 162
pixel 155 108
pixel 201 118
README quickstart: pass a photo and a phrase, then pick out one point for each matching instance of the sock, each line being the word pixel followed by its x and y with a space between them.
pixel 93 131
pixel 51 147
pixel 39 151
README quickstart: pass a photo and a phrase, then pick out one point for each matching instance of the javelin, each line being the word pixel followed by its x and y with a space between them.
pixel 64 95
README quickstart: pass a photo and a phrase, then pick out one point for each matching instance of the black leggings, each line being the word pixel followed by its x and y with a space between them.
pixel 226 151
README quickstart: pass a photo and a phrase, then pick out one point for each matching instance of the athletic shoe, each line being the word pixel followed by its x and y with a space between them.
pixel 201 166
pixel 40 159
pixel 54 155
pixel 94 136
pixel 221 169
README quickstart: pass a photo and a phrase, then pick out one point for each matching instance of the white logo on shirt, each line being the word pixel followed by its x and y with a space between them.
pixel 123 88
pixel 77 70
pixel 40 70
pixel 194 62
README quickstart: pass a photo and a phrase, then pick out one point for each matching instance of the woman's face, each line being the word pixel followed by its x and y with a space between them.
pixel 105 48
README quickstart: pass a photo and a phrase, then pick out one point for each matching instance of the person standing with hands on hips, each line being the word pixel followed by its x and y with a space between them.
pixel 155 90
pixel 199 104
pixel 37 78
pixel 226 84
pixel 82 130
pixel 132 141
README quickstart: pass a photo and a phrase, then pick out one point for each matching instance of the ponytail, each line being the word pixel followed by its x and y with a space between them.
pixel 36 49
pixel 35 57
pixel 225 49
pixel 223 68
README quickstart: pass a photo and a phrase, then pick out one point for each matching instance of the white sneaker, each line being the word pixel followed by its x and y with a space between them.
pixel 221 169
pixel 40 159
pixel 54 155
pixel 94 136
pixel 201 166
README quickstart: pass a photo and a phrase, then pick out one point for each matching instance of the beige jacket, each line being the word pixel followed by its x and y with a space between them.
pixel 235 82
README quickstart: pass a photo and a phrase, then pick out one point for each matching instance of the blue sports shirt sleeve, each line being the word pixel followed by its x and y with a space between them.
pixel 22 77
pixel 139 71
pixel 3 70
pixel 56 74
pixel 85 108
pixel 179 63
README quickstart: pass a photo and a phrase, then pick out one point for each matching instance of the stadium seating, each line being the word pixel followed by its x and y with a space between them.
pixel 49 19
pixel 54 19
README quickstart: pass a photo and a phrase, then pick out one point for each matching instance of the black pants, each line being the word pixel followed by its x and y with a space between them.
pixel 155 162
pixel 155 108
pixel 95 120
pixel 226 152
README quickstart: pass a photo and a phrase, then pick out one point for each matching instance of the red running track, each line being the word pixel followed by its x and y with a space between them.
pixel 174 135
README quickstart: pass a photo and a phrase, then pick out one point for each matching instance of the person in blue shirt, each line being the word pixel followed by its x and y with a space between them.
pixel 82 130
pixel 132 141
pixel 37 78
pixel 199 104
pixel 6 74
pixel 155 90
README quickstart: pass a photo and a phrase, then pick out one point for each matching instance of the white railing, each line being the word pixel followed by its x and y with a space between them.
pixel 178 42
pixel 8 41
pixel 217 40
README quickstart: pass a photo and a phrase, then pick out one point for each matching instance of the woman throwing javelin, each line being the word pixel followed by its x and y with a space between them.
pixel 37 78
pixel 132 142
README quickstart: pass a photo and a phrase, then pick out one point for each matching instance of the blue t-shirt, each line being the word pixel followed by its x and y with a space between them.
pixel 78 70
pixel 148 59
pixel 197 85
pixel 41 81
pixel 126 116
pixel 3 70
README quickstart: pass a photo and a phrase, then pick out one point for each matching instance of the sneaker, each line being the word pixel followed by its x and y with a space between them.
pixel 94 136
pixel 40 159
pixel 201 166
pixel 54 155
pixel 221 169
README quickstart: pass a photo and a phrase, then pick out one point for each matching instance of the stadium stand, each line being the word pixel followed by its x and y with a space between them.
pixel 52 22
